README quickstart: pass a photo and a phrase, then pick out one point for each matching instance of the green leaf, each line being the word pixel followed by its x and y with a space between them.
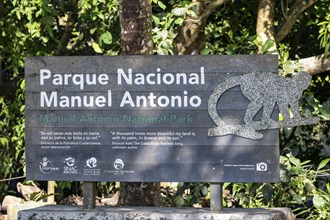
pixel 298 199
pixel 295 161
pixel 101 16
pixel 156 20
pixel 179 11
pixel 323 163
pixel 106 38
pixel 179 201
pixel 178 21
pixel 325 117
pixel 325 111
pixel 22 86
pixel 204 190
pixel 161 5
pixel 267 45
pixel 309 186
pixel 318 202
pixel 18 14
pixel 289 66
pixel 96 47
pixel 205 51
pixel 92 31
pixel 4 141
pixel 22 108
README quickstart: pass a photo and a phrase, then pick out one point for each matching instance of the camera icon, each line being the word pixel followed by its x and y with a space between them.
pixel 262 166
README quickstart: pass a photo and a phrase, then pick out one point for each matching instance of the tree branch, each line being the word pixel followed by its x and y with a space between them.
pixel 294 12
pixel 211 7
pixel 316 64
pixel 191 38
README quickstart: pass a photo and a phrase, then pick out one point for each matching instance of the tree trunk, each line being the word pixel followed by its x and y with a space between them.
pixel 136 38
pixel 136 27
pixel 265 22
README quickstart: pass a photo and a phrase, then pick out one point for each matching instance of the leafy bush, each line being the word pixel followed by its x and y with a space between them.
pixel 12 137
pixel 301 188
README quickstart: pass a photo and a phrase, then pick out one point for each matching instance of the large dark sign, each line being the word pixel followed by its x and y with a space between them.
pixel 150 118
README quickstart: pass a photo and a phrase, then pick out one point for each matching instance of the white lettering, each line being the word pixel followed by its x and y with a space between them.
pixel 52 100
pixel 160 78
pixel 77 79
pixel 122 74
pixel 44 98
pixel 44 74
pixel 151 100
pixel 127 99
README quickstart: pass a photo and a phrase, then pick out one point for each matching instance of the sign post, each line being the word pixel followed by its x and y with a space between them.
pixel 216 197
pixel 89 194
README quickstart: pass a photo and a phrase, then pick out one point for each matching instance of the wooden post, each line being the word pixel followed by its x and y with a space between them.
pixel 89 195
pixel 51 191
pixel 216 197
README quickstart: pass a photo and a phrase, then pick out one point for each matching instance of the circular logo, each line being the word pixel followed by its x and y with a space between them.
pixel 46 165
pixel 118 164
pixel 91 162
pixel 69 161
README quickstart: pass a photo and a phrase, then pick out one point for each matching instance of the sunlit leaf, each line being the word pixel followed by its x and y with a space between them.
pixel 323 163
pixel 318 201
pixel 161 5
pixel 179 11
pixel 105 38
pixel 267 46
pixel 96 47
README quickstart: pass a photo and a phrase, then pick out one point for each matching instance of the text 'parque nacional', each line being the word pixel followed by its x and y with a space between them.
pixel 148 100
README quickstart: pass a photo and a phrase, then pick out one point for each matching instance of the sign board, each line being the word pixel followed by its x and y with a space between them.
pixel 145 118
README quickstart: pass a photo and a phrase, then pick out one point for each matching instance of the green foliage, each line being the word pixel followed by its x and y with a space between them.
pixel 188 195
pixel 324 35
pixel 91 27
pixel 243 43
pixel 39 196
pixel 298 189
pixel 321 203
pixel 167 24
pixel 12 137
pixel 97 26
pixel 43 28
pixel 105 189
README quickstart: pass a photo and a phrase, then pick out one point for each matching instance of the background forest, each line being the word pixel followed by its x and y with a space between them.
pixel 297 30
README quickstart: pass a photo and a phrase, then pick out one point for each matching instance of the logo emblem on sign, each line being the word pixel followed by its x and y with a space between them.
pixel 118 164
pixel 70 161
pixel 91 162
pixel 46 165
pixel 70 167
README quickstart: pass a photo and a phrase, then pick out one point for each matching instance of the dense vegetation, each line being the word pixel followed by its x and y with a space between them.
pixel 299 31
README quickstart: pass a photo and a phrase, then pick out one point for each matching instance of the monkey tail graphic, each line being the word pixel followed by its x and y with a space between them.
pixel 223 128
pixel 219 90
